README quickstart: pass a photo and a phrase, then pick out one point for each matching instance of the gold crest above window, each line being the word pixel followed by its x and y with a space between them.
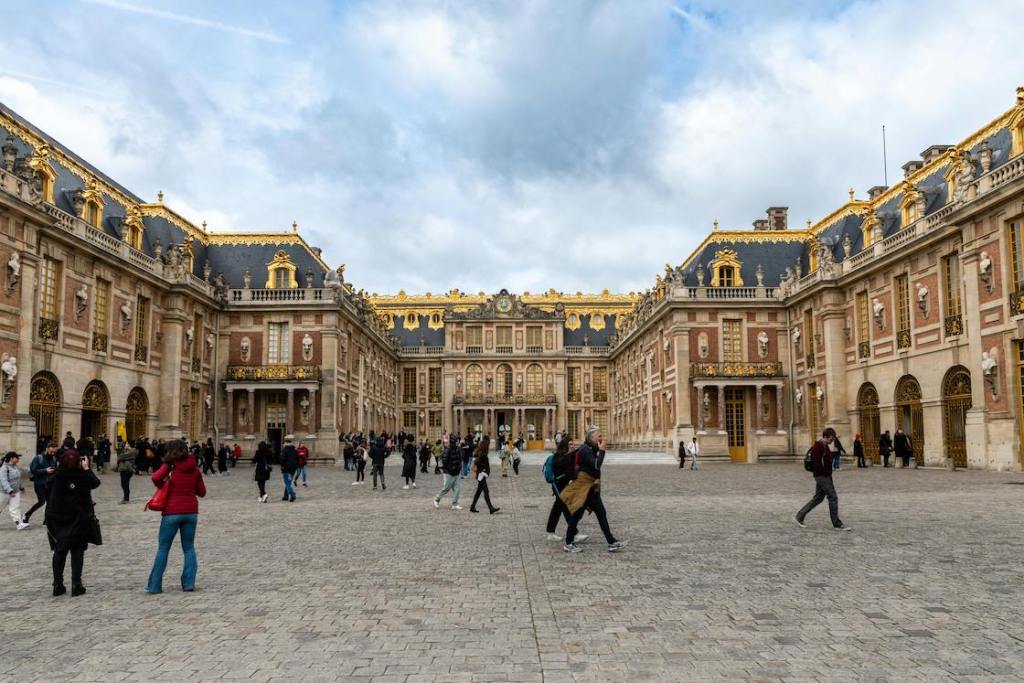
pixel 281 272
pixel 725 269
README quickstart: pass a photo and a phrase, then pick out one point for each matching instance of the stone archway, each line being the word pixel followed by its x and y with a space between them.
pixel 956 401
pixel 95 407
pixel 870 424
pixel 909 414
pixel 44 404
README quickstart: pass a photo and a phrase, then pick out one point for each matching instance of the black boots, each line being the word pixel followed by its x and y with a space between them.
pixel 59 589
pixel 77 589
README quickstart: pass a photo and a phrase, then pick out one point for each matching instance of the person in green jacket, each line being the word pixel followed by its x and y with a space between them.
pixel 126 468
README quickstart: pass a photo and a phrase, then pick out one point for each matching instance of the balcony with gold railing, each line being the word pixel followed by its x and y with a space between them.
pixel 735 369
pixel 273 373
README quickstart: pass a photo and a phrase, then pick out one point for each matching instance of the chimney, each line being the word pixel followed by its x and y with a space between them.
pixel 873 192
pixel 911 166
pixel 934 152
pixel 777 217
pixel 761 224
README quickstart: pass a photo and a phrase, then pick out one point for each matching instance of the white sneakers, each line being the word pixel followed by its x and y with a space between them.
pixel 554 537
pixel 22 525
pixel 456 507
pixel 414 484
pixel 437 503
pixel 405 488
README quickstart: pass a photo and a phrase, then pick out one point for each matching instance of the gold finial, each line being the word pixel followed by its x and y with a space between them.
pixel 851 194
pixel 1020 94
pixel 204 226
pixel 808 223
pixel 160 197
pixel 295 226
pixel 714 224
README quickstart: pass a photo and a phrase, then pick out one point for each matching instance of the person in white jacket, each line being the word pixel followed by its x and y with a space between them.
pixel 693 448
pixel 10 488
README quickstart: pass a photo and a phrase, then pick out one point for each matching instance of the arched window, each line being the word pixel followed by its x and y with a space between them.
pixel 534 380
pixel 504 380
pixel 281 272
pixel 135 414
pixel 474 381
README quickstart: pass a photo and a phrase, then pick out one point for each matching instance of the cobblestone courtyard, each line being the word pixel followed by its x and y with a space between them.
pixel 717 582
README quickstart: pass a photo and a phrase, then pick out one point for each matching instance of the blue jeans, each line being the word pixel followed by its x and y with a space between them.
pixel 289 492
pixel 170 525
pixel 465 467
pixel 302 471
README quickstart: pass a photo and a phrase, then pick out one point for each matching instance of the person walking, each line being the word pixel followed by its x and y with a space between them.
pixel 68 518
pixel 126 470
pixel 904 448
pixel 359 464
pixel 11 488
pixel 482 469
pixel 424 457
pixel 378 454
pixel 452 463
pixel 584 492
pixel 261 459
pixel 438 452
pixel 42 467
pixel 837 452
pixel 693 448
pixel 289 465
pixel 207 456
pixel 858 451
pixel 409 463
pixel 821 467
pixel 303 454
pixel 504 454
pixel 102 453
pixel 682 454
pixel 348 452
pixel 885 447
pixel 467 454
pixel 516 457
pixel 561 475
pixel 222 459
pixel 180 515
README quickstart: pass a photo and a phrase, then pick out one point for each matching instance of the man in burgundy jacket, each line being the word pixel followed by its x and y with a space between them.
pixel 821 461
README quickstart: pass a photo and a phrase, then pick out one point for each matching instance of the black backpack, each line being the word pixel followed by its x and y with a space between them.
pixel 564 467
pixel 808 461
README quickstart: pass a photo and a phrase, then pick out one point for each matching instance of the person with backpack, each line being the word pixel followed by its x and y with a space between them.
pixel 558 473
pixel 452 464
pixel 42 467
pixel 482 469
pixel 289 464
pixel 584 491
pixel 408 462
pixel 818 461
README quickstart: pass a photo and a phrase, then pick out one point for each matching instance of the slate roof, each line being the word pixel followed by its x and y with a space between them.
pixel 773 256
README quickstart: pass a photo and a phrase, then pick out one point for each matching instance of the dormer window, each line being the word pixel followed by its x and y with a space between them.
pixel 912 204
pixel 92 203
pixel 40 163
pixel 281 272
pixel 133 228
pixel 725 269
pixel 1016 124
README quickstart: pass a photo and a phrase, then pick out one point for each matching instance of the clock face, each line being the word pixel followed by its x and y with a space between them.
pixel 504 304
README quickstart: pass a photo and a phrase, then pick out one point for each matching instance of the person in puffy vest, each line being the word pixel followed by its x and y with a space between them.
pixel 452 466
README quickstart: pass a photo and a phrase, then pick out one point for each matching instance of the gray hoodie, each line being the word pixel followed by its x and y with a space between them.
pixel 10 478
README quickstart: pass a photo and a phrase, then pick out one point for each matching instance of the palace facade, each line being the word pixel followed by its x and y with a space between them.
pixel 902 309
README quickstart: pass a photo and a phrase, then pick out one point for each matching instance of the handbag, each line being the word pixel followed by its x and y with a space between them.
pixel 95 533
pixel 158 501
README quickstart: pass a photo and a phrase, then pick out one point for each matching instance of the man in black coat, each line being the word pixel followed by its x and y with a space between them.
pixel 378 454
pixel 885 447
pixel 289 463
pixel 904 449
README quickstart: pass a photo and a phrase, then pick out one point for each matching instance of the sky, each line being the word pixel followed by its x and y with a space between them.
pixel 525 144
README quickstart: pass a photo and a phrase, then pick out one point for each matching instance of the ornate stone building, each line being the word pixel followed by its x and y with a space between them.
pixel 903 309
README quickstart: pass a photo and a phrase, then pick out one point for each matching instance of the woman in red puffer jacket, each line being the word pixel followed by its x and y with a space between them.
pixel 180 514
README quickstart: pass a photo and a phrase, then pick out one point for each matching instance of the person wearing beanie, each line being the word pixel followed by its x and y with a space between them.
pixel 584 492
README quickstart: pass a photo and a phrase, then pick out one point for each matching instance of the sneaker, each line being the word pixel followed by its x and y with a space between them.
pixel 22 525
pixel 303 485
pixel 842 527
pixel 437 503
pixel 554 537
pixel 355 483
pixel 617 546
pixel 580 538
pixel 456 507
pixel 572 548
pixel 414 484
pixel 405 488
pixel 122 502
pixel 800 522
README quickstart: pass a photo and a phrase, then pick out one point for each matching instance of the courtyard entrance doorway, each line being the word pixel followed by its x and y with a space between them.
pixel 276 421
pixel 956 401
pixel 910 415
pixel 535 429
pixel 44 405
pixel 736 423
pixel 870 424
pixel 95 406
pixel 505 424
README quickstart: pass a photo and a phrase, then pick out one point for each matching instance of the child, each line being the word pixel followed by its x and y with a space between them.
pixel 360 459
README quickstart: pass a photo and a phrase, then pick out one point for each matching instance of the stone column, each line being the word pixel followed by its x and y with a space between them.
pixel 289 417
pixel 173 330
pixel 360 392
pixel 23 427
pixel 251 421
pixel 700 407
pixel 229 428
pixel 326 416
pixel 683 416
pixel 721 407
pixel 779 422
pixel 313 412
pixel 833 317
pixel 976 434
pixel 758 420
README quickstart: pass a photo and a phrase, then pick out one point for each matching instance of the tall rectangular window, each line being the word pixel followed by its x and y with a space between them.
pixel 100 307
pixel 902 287
pixel 601 383
pixel 409 420
pixel 575 385
pixel 434 384
pixel 601 421
pixel 197 340
pixel 409 385
pixel 141 328
pixel 534 339
pixel 1016 255
pixel 951 286
pixel 732 340
pixel 474 338
pixel 277 343
pixel 504 339
pixel 809 337
pixel 49 282
pixel 863 326
pixel 574 425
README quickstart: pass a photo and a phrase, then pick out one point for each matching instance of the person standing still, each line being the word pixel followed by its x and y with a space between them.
pixel 126 470
pixel 904 448
pixel 70 506
pixel 693 448
pixel 42 467
pixel 858 451
pixel 682 454
pixel 885 447
pixel 11 489
pixel 378 454
pixel 179 516
pixel 821 463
